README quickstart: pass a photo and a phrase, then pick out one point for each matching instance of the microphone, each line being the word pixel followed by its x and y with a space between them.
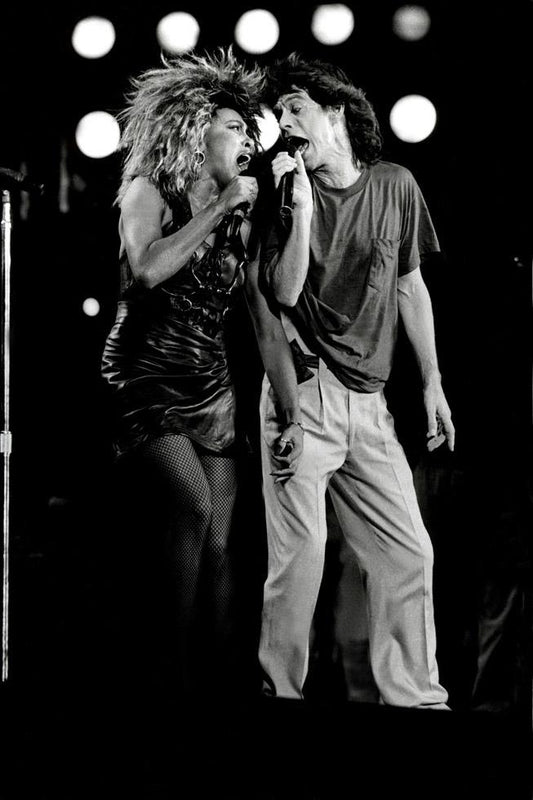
pixel 240 211
pixel 237 216
pixel 287 181
pixel 9 179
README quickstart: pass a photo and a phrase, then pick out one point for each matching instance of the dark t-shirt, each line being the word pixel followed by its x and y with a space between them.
pixel 362 238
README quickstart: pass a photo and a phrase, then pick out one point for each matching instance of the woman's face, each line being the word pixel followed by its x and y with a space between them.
pixel 228 147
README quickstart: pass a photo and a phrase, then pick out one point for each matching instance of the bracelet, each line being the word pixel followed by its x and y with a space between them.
pixel 293 423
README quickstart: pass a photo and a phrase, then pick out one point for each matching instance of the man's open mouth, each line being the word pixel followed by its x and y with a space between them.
pixel 295 143
pixel 242 161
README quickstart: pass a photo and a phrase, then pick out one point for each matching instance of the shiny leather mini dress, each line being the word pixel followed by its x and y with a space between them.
pixel 165 357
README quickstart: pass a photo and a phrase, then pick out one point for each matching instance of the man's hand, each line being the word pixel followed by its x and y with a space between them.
pixel 286 451
pixel 302 193
pixel 439 417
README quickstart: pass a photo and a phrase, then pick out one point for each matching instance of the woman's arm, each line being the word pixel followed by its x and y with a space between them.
pixel 416 312
pixel 153 257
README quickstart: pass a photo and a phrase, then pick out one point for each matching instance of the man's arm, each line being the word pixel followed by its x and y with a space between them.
pixel 279 366
pixel 416 312
pixel 286 274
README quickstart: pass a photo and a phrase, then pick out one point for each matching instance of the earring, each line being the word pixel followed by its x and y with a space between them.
pixel 200 158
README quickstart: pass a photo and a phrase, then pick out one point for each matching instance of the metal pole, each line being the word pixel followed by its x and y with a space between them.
pixel 5 436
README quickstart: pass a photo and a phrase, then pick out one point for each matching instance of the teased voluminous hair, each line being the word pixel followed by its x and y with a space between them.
pixel 169 109
pixel 328 85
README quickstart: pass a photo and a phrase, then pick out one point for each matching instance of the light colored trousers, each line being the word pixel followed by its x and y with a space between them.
pixel 349 444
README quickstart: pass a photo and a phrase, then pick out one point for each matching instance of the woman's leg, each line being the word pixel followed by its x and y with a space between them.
pixel 181 499
pixel 218 581
pixel 198 490
pixel 221 476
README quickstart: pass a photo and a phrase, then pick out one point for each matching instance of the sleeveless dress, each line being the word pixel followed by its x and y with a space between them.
pixel 165 357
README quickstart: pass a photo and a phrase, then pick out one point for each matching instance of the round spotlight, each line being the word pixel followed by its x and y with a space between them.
pixel 332 23
pixel 413 118
pixel 269 129
pixel 178 32
pixel 411 22
pixel 93 37
pixel 98 134
pixel 91 307
pixel 257 31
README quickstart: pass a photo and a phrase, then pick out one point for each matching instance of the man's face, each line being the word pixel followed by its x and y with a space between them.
pixel 228 146
pixel 300 116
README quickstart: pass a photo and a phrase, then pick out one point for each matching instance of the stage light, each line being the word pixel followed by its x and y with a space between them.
pixel 91 307
pixel 269 129
pixel 178 32
pixel 411 22
pixel 413 118
pixel 257 31
pixel 97 134
pixel 93 37
pixel 332 23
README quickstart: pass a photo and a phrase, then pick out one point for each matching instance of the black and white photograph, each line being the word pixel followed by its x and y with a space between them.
pixel 267 408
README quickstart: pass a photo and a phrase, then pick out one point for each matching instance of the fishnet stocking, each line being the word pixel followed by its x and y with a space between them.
pixel 198 491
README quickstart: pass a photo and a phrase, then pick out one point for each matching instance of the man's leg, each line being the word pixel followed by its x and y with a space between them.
pixel 351 630
pixel 375 501
pixel 296 532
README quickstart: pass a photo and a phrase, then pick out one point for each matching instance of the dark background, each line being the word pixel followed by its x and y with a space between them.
pixel 70 558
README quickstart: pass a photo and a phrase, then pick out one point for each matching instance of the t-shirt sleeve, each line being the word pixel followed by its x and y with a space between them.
pixel 418 238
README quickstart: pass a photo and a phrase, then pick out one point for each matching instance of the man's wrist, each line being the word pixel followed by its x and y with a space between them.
pixel 293 422
pixel 289 413
pixel 431 377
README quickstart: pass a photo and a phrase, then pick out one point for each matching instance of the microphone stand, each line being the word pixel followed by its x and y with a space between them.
pixel 9 179
pixel 5 435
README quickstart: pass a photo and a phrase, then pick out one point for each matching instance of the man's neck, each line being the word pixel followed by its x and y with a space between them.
pixel 339 174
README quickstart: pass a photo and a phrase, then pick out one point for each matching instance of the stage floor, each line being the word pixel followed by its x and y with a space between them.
pixel 75 742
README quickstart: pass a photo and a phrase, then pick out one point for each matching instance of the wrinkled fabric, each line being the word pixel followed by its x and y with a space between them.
pixel 363 238
pixel 165 357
